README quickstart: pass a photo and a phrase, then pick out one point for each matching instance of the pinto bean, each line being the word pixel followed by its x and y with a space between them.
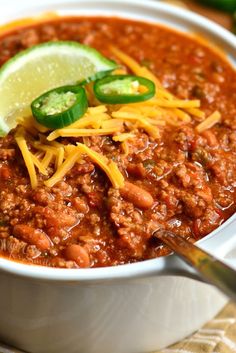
pixel 210 137
pixel 32 236
pixel 58 219
pixel 78 254
pixel 137 170
pixel 138 196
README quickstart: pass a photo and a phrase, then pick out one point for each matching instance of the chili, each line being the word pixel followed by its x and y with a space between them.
pixel 186 180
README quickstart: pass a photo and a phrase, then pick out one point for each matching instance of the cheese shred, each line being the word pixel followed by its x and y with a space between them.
pixel 47 159
pixel 123 137
pixel 109 167
pixel 38 164
pixel 27 156
pixel 82 132
pixel 213 119
pixel 64 168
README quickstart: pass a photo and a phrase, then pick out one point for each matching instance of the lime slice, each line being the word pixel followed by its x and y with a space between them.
pixel 41 68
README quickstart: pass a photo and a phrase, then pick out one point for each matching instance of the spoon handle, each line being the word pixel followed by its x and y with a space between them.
pixel 209 267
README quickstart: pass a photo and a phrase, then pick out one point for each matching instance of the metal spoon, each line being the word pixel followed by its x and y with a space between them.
pixel 209 267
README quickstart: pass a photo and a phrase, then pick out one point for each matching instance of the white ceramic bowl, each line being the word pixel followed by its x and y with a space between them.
pixel 133 308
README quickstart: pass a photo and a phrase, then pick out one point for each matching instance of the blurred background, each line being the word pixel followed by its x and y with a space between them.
pixel 221 11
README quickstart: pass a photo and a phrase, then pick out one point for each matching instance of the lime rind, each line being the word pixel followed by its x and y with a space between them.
pixel 99 60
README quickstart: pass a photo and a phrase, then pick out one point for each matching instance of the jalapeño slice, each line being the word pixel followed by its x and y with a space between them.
pixel 60 107
pixel 122 89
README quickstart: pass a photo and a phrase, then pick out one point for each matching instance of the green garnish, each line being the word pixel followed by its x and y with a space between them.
pixel 121 89
pixel 60 107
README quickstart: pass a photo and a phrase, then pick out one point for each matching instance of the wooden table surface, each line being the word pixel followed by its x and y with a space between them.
pixel 218 16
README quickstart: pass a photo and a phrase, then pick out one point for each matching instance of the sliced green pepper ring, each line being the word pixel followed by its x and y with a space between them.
pixel 60 107
pixel 122 89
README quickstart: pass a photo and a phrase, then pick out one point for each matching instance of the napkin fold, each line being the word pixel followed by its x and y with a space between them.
pixel 217 336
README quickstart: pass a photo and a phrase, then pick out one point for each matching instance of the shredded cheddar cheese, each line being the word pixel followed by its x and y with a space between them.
pixel 123 137
pixel 60 157
pixel 47 159
pixel 196 113
pixel 27 156
pixel 113 124
pixel 55 158
pixel 107 166
pixel 82 132
pixel 115 175
pixel 64 168
pixel 38 164
pixel 68 149
pixel 125 148
pixel 209 122
pixel 140 120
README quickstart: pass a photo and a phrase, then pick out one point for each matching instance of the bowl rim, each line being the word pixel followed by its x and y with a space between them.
pixel 147 267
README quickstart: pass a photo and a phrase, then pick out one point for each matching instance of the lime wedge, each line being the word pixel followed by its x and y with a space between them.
pixel 41 68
